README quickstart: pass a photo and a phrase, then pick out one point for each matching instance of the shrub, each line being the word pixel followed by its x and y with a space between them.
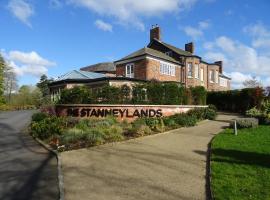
pixel 76 95
pixel 253 112
pixel 72 135
pixel 210 114
pixel 198 113
pixel 113 133
pixel 213 107
pixel 37 117
pixel 198 95
pixel 236 100
pixel 142 130
pixel 169 121
pixel 246 123
pixel 48 127
pixel 185 120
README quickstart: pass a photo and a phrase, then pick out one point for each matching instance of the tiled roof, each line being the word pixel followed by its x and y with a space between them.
pixel 177 50
pixel 100 67
pixel 149 51
pixel 79 74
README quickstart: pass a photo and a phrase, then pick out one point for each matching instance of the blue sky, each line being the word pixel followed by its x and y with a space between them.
pixel 56 36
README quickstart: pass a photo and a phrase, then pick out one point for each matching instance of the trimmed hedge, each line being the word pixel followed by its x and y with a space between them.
pixel 236 100
pixel 246 123
pixel 155 93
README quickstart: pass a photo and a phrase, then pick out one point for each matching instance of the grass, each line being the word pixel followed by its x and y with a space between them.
pixel 240 165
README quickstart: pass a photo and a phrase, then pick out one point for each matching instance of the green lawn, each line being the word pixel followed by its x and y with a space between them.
pixel 240 165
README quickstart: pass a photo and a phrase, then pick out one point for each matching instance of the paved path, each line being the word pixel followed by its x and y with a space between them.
pixel 168 166
pixel 27 170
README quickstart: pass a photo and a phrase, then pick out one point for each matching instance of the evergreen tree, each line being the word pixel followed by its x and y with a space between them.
pixel 43 85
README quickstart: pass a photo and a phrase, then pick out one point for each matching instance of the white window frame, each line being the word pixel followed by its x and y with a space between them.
pixel 202 74
pixel 130 70
pixel 196 68
pixel 211 76
pixel 167 69
pixel 189 70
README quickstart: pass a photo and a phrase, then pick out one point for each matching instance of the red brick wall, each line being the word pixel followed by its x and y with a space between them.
pixel 122 112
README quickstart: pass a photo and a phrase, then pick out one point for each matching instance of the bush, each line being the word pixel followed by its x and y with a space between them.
pixel 37 117
pixel 48 127
pixel 198 113
pixel 213 107
pixel 253 112
pixel 210 114
pixel 113 133
pixel 236 100
pixel 246 123
pixel 185 120
pixel 198 95
pixel 169 121
pixel 76 95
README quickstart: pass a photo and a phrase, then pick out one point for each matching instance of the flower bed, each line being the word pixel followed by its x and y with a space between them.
pixel 67 133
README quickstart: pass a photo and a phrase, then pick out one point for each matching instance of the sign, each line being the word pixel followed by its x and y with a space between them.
pixel 116 112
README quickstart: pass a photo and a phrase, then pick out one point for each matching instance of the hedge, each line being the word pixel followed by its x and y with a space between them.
pixel 155 93
pixel 236 100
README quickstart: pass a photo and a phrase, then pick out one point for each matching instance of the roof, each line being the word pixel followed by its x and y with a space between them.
pixel 177 50
pixel 149 51
pixel 100 67
pixel 223 76
pixel 56 82
pixel 78 74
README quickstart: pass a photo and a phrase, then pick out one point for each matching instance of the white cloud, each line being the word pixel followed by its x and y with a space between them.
pixel 193 32
pixel 241 60
pixel 27 63
pixel 204 24
pixel 196 32
pixel 260 35
pixel 103 25
pixel 22 10
pixel 130 12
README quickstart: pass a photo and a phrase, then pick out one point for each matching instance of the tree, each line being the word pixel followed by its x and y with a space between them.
pixel 10 82
pixel 252 83
pixel 43 85
pixel 2 67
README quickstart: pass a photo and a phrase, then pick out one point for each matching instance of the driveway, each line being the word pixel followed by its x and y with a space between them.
pixel 27 170
pixel 168 166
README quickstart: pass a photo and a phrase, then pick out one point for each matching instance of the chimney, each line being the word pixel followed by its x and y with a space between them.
pixel 220 64
pixel 190 47
pixel 155 32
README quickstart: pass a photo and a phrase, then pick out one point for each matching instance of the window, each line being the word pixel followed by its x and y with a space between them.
pixel 189 70
pixel 202 74
pixel 216 76
pixel 223 82
pixel 167 69
pixel 169 53
pixel 196 71
pixel 130 70
pixel 211 76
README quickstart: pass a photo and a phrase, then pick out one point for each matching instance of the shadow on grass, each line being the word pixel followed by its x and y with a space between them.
pixel 241 157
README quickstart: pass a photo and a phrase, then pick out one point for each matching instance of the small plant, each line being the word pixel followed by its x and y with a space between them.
pixel 246 123
pixel 210 114
pixel 185 120
pixel 37 117
pixel 253 112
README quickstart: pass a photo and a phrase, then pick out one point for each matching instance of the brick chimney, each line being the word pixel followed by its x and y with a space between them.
pixel 155 32
pixel 220 64
pixel 190 47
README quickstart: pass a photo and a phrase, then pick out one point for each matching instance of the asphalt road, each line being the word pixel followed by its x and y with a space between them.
pixel 27 170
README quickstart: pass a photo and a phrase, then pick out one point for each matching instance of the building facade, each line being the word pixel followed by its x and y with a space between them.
pixel 158 61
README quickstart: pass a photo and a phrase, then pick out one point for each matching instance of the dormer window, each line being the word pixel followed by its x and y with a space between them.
pixel 169 53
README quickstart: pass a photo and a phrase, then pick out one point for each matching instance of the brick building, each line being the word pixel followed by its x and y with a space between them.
pixel 158 61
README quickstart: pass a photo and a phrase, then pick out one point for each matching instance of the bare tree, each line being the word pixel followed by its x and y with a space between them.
pixel 252 83
pixel 10 82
